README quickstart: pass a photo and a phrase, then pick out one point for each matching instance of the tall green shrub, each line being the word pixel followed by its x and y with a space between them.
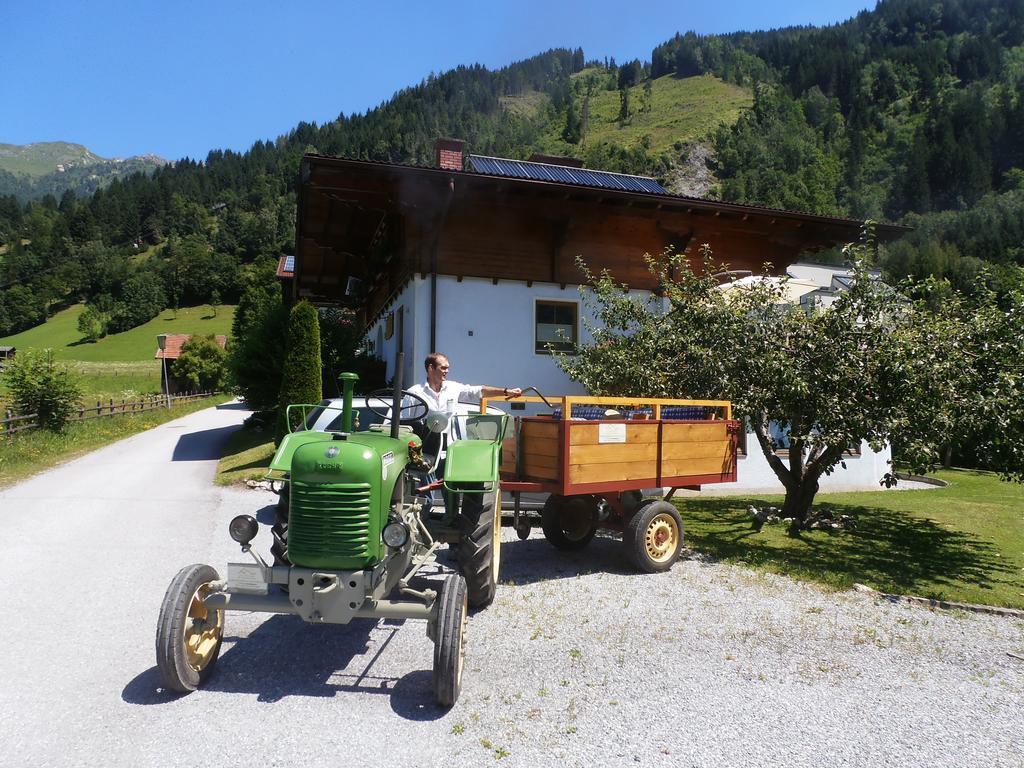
pixel 300 382
pixel 40 385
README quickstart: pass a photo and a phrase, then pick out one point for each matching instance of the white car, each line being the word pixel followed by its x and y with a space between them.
pixel 326 416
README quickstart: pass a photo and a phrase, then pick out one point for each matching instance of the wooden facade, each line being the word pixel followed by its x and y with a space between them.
pixel 365 228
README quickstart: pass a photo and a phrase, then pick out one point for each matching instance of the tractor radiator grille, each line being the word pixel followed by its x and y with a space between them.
pixel 330 521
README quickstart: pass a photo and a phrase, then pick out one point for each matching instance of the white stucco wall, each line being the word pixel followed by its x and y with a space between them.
pixel 487 332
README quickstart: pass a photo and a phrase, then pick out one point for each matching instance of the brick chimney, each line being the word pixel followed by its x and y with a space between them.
pixel 449 153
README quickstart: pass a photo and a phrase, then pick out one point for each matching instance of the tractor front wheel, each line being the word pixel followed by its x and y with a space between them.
pixel 188 634
pixel 569 522
pixel 654 537
pixel 450 642
pixel 279 531
pixel 479 548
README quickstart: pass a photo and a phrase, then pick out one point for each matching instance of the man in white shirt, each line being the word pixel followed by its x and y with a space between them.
pixel 441 393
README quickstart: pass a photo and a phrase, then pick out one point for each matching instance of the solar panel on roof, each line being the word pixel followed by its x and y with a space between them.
pixel 523 169
pixel 289 263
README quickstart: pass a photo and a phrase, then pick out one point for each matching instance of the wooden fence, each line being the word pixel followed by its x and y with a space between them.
pixel 12 424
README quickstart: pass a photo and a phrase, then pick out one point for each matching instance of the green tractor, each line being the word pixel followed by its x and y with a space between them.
pixel 360 517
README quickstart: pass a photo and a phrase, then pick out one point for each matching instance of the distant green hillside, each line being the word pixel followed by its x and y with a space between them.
pixel 680 110
pixel 60 333
pixel 51 167
pixel 45 157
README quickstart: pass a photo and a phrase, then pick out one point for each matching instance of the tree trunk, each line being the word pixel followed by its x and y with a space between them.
pixel 798 503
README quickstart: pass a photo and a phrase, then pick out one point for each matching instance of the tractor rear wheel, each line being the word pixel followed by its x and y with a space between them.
pixel 450 642
pixel 188 634
pixel 569 522
pixel 654 537
pixel 479 552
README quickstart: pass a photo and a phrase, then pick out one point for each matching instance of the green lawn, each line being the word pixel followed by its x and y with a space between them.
pixel 246 456
pixel 962 543
pixel 121 365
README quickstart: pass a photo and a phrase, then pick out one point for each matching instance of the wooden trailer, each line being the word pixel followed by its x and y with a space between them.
pixel 596 455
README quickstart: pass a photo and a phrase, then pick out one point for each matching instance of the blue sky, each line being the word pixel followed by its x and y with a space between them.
pixel 177 78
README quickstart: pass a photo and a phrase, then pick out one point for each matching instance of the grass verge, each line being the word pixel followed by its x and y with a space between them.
pixel 962 543
pixel 29 453
pixel 247 455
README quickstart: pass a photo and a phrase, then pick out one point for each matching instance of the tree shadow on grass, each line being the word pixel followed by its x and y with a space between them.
pixel 889 550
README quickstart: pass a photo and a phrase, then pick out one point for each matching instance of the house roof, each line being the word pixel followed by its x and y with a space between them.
pixel 884 231
pixel 380 222
pixel 175 341
pixel 286 267
pixel 7 349
pixel 793 288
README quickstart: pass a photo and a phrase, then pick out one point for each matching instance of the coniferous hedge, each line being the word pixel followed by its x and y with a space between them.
pixel 300 382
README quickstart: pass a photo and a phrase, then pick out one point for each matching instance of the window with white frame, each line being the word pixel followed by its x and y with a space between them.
pixel 556 326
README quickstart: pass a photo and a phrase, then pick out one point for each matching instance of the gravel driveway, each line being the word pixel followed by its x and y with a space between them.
pixel 578 662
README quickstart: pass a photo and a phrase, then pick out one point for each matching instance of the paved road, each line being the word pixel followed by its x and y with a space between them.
pixel 578 662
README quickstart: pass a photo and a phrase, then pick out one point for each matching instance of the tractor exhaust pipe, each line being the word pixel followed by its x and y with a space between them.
pixel 396 397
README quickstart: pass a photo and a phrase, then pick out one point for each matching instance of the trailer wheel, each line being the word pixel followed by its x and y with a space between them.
pixel 569 522
pixel 479 548
pixel 450 643
pixel 188 635
pixel 654 537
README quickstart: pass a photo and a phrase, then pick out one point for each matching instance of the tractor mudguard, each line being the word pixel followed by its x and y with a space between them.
pixel 472 466
pixel 282 461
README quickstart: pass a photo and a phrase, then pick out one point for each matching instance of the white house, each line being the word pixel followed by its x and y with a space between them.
pixel 476 258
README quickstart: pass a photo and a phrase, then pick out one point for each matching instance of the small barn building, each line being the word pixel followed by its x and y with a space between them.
pixel 170 351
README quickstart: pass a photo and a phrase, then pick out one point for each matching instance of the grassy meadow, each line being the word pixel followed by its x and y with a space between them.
pixel 121 365
pixel 681 109
pixel 963 543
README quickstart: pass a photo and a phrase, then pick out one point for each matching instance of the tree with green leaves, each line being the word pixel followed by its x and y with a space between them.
pixel 831 378
pixel 22 309
pixel 203 364
pixel 39 384
pixel 141 300
pixel 92 323
pixel 258 336
pixel 976 403
pixel 300 380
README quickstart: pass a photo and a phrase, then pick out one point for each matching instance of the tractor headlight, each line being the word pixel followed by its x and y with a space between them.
pixel 396 534
pixel 243 529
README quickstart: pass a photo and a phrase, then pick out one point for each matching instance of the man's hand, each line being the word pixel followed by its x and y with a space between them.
pixel 513 392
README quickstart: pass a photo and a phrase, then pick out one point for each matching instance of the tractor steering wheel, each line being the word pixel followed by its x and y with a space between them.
pixel 380 401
